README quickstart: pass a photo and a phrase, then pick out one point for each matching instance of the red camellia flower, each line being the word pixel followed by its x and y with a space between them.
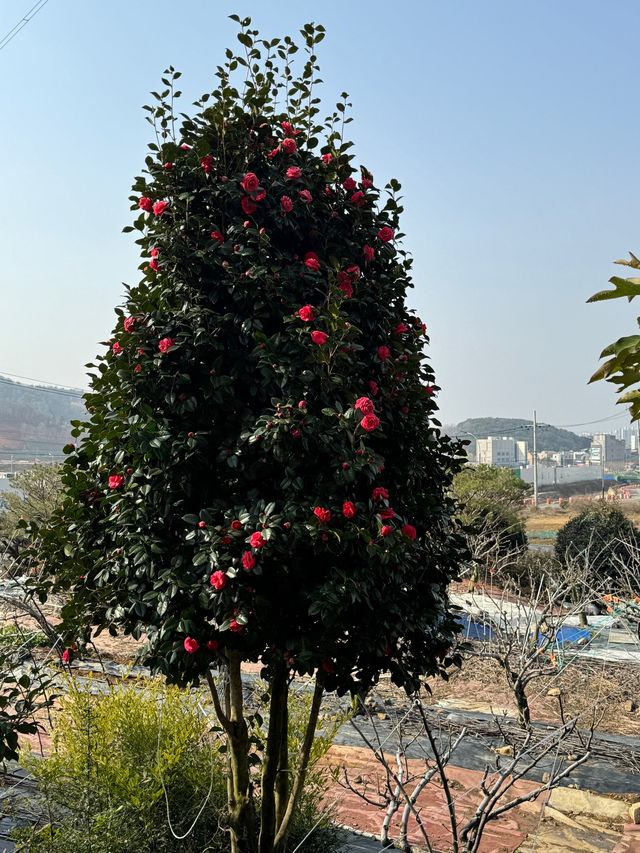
pixel 329 666
pixel 294 172
pixel 191 645
pixel 386 530
pixel 168 166
pixel 145 204
pixel 349 184
pixel 259 195
pixel 383 353
pixel 250 182
pixel 366 183
pixel 115 481
pixel 302 404
pixel 248 205
pixel 373 387
pixel 409 531
pixel 257 540
pixel 387 513
pixel 429 390
pixel 153 263
pixel 201 524
pixel 364 405
pixel 154 253
pixel 286 204
pixel 305 196
pixel 159 208
pixel 273 153
pixel 306 313
pixel 235 626
pixel 166 344
pixel 370 422
pixel 385 234
pixel 400 329
pixel 286 126
pixel 289 145
pixel 367 251
pixel 347 288
pixel 348 509
pixel 116 348
pixel 236 525
pixel 185 147
pixel 207 162
pixel 216 235
pixel 312 261
pixel 129 323
pixel 323 515
pixel 212 645
pixel 327 158
pixel 67 655
pixel 358 199
pixel 137 368
pixel 218 580
pixel 319 338
pixel 380 493
pixel 248 561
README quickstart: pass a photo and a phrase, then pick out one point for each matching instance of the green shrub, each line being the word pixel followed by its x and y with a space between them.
pixel 599 539
pixel 101 789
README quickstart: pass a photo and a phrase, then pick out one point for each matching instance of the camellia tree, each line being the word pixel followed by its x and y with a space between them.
pixel 260 475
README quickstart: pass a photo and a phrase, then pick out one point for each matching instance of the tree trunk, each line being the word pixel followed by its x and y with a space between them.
pixel 282 779
pixel 301 773
pixel 272 757
pixel 524 714
pixel 242 815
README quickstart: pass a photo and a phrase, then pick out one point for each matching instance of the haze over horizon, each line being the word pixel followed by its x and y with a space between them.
pixel 510 126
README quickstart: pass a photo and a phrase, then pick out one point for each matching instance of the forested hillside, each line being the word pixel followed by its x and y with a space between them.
pixel 548 437
pixel 35 419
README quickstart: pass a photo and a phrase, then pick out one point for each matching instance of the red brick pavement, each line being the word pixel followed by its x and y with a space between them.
pixel 504 835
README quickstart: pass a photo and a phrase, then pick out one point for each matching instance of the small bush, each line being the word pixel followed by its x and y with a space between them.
pixel 101 789
pixel 599 539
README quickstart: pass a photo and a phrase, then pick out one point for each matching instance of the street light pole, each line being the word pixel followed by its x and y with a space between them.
pixel 535 461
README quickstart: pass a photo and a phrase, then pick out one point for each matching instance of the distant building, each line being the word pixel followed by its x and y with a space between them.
pixel 503 452
pixel 607 450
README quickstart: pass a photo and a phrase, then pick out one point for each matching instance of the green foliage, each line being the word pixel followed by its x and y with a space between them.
pixel 491 501
pixel 102 784
pixel 215 413
pixel 599 537
pixel 548 437
pixel 35 494
pixel 622 367
pixel 24 689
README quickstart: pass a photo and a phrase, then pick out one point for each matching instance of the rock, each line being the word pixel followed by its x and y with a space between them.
pixel 555 691
pixel 357 780
pixel 629 706
pixel 572 757
pixel 383 716
pixel 634 812
pixel 577 801
pixel 546 777
pixel 505 750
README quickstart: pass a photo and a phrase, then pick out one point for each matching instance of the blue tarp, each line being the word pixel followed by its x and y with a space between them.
pixel 478 630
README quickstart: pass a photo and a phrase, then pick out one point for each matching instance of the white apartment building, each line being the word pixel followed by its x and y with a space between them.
pixel 503 452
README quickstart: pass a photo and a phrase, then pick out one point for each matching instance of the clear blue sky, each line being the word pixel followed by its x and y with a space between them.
pixel 513 126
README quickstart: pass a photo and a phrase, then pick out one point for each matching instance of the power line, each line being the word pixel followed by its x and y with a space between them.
pixel 43 381
pixel 13 32
pixel 41 388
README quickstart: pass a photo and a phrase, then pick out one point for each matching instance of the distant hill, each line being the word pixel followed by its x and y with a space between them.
pixel 35 419
pixel 547 438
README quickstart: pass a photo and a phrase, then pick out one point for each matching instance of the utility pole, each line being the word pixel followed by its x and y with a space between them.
pixel 535 461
